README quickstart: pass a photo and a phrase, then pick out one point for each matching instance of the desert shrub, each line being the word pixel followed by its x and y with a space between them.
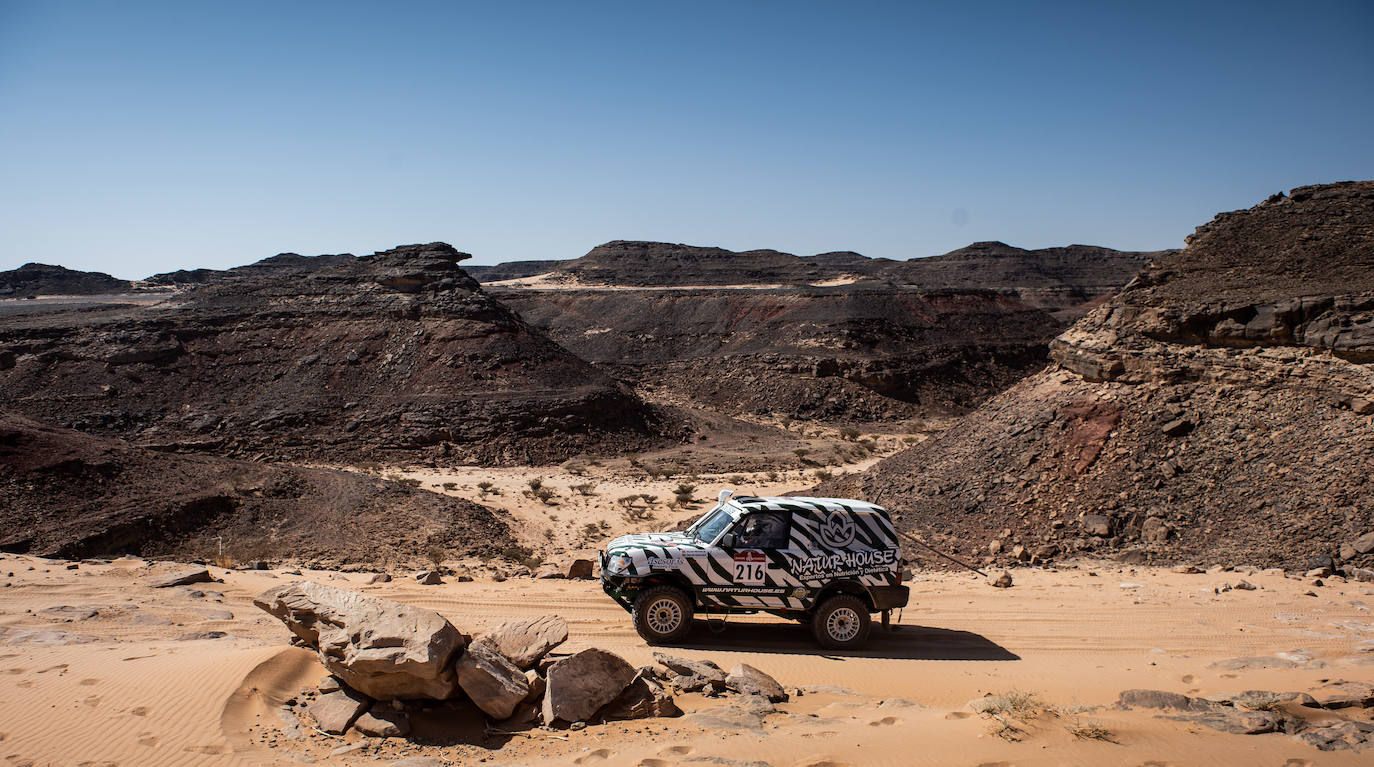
pixel 823 475
pixel 535 483
pixel 516 553
pixel 850 433
pixel 450 485
pixel 586 488
pixel 484 487
pixel 409 481
pixel 648 499
pixel 435 554
pixel 1091 731
pixel 548 533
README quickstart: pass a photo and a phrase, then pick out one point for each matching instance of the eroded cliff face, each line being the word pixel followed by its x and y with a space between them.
pixel 1221 408
pixel 395 355
pixel 852 352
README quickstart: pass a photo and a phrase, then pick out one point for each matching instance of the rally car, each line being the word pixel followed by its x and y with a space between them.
pixel 829 562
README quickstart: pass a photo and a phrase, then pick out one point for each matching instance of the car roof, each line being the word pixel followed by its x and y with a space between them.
pixel 826 504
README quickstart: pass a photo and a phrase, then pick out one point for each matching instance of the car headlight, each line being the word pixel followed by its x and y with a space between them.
pixel 618 563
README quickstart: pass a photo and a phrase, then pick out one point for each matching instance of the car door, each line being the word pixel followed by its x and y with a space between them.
pixel 753 551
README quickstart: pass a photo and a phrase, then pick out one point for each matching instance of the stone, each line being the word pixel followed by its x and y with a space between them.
pixel 1338 737
pixel 525 642
pixel 995 547
pixel 1346 695
pixel 1364 544
pixel 1001 580
pixel 1162 699
pixel 537 685
pixel 417 761
pixel 748 680
pixel 704 669
pixel 379 578
pixel 550 573
pixel 491 681
pixel 743 715
pixel 581 684
pixel 1246 586
pixel 1360 574
pixel 336 711
pixel 1318 572
pixel 644 697
pixel 377 646
pixel 1098 525
pixel 1242 722
pixel 580 569
pixel 383 721
pixel 329 684
pixel 182 577
pixel 200 635
pixel 1177 427
pixel 69 613
pixel 429 577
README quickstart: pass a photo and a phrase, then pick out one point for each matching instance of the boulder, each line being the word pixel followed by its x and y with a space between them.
pixel 1098 525
pixel 644 697
pixel 379 578
pixel 580 569
pixel 383 721
pixel 1001 580
pixel 1177 427
pixel 550 573
pixel 336 711
pixel 491 681
pixel 748 680
pixel 1364 544
pixel 1346 695
pixel 525 642
pixel 1341 736
pixel 581 684
pixel 429 577
pixel 376 646
pixel 537 685
pixel 1242 722
pixel 182 577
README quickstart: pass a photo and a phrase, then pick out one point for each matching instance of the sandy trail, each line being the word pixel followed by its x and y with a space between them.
pixel 136 694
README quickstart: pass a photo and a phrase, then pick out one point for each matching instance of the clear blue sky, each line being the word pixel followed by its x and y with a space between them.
pixel 141 137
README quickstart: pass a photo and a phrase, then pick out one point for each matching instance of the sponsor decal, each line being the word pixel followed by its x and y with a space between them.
pixel 751 567
pixel 694 553
pixel 844 563
pixel 837 531
pixel 751 591
pixel 665 563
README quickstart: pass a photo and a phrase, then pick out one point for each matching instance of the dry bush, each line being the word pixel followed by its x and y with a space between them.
pixel 585 488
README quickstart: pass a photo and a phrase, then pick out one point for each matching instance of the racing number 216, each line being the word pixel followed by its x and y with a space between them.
pixel 749 572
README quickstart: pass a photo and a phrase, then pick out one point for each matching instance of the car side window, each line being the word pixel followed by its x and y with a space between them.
pixel 763 530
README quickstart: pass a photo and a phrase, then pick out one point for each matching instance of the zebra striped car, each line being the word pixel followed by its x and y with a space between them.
pixel 827 561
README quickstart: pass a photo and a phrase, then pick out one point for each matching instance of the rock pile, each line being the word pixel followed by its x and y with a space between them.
pixel 1254 712
pixel 389 660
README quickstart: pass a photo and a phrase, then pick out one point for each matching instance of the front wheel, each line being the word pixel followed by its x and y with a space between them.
pixel 841 623
pixel 663 614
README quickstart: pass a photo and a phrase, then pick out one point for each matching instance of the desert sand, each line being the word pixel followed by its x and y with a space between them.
pixel 98 668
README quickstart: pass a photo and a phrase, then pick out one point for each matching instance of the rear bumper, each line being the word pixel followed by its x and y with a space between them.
pixel 889 597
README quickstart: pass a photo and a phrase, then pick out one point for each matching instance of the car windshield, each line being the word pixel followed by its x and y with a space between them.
pixel 710 526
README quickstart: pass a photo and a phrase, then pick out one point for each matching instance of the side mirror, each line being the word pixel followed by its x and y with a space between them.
pixel 727 540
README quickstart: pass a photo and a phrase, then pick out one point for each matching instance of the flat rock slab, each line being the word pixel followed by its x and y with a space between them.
pixel 1339 737
pixel 525 642
pixel 581 684
pixel 1346 695
pixel 1164 700
pixel 495 684
pixel 688 667
pixel 746 679
pixel 379 647
pixel 1240 722
pixel 383 722
pixel 741 716
pixel 336 711
pixel 69 612
pixel 182 577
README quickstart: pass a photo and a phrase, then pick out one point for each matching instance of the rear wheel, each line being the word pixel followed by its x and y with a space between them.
pixel 841 623
pixel 663 614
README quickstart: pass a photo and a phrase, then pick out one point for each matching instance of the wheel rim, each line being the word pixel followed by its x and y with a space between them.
pixel 843 624
pixel 664 616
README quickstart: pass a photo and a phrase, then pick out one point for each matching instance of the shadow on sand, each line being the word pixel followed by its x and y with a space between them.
pixel 905 642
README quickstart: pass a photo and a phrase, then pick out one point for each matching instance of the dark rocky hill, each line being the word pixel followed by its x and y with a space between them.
pixel 1055 279
pixel 43 279
pixel 850 353
pixel 68 494
pixel 278 265
pixel 395 355
pixel 1220 409
pixel 511 270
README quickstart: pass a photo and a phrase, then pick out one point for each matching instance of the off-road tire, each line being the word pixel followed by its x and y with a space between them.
pixel 654 611
pixel 841 623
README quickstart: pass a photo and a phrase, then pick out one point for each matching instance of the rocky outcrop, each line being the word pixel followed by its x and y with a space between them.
pixel 524 642
pixel 395 355
pixel 1217 408
pixel 68 494
pixel 495 684
pixel 381 648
